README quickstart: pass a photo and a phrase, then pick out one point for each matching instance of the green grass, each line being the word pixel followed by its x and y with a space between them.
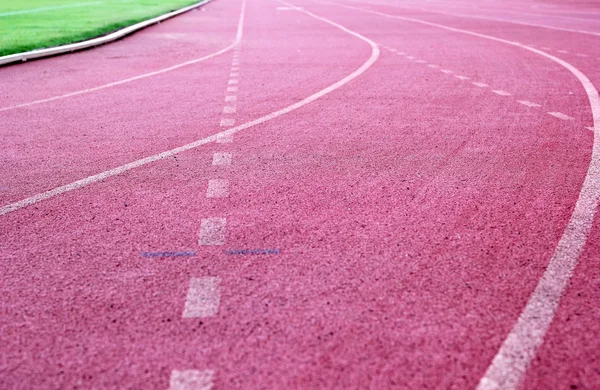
pixel 75 21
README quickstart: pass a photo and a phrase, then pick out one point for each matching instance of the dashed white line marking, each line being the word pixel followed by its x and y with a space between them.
pixel 581 55
pixel 235 63
pixel 510 364
pixel 433 66
pixel 480 85
pixel 231 98
pixel 563 51
pixel 89 180
pixel 528 103
pixel 225 139
pixel 401 53
pixel 191 380
pixel 217 188
pixel 227 122
pixel 235 68
pixel 203 297
pixel 229 110
pixel 501 92
pixel 447 71
pixel 546 48
pixel 410 57
pixel 560 115
pixel 461 77
pixel 232 81
pixel 420 61
pixel 234 74
pixel 212 232
pixel 232 89
pixel 222 158
pixel 591 128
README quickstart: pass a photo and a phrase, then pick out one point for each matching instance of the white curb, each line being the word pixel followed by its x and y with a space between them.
pixel 41 53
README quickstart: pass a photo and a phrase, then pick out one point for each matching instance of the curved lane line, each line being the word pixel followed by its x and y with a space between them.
pixel 510 364
pixel 138 163
pixel 237 40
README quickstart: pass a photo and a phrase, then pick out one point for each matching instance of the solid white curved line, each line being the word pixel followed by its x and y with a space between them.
pixel 139 77
pixel 508 367
pixel 138 163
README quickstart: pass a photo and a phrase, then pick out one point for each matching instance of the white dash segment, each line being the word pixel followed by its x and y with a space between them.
pixel 410 57
pixel 528 103
pixel 562 116
pixel 546 48
pixel 420 61
pixel 234 74
pixel 231 98
pixel 217 188
pixel 447 71
pixel 433 66
pixel 191 380
pixel 401 53
pixel 229 110
pixel 591 128
pixel 225 139
pixel 203 298
pixel 461 77
pixel 222 158
pixel 232 89
pixel 501 92
pixel 563 51
pixel 233 81
pixel 212 231
pixel 227 122
pixel 480 85
pixel 581 55
pixel 235 69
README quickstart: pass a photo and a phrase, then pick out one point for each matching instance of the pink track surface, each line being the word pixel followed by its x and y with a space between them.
pixel 413 211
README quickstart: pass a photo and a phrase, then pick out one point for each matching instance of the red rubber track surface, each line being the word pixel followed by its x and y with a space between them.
pixel 414 211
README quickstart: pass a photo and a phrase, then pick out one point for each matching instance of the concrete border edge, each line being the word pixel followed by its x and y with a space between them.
pixel 72 47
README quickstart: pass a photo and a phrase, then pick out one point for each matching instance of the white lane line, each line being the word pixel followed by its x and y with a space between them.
pixel 235 63
pixel 581 55
pixel 234 74
pixel 461 77
pixel 232 89
pixel 591 128
pixel 150 159
pixel 401 53
pixel 501 92
pixel 510 364
pixel 410 57
pixel 433 66
pixel 203 297
pixel 562 116
pixel 238 38
pixel 42 9
pixel 229 110
pixel 232 81
pixel 563 51
pixel 225 139
pixel 191 380
pixel 420 61
pixel 222 158
pixel 480 85
pixel 231 98
pixel 235 68
pixel 217 188
pixel 226 122
pixel 212 232
pixel 447 71
pixel 528 103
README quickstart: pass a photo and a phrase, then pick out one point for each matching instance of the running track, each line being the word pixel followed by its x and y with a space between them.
pixel 324 194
